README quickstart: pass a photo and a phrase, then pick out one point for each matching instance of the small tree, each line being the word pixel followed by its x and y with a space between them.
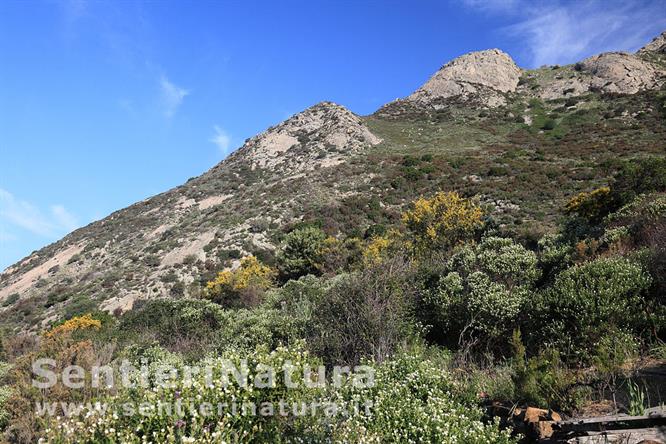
pixel 442 221
pixel 243 284
pixel 301 253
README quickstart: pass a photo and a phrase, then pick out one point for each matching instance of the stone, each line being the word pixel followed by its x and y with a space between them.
pixel 482 74
pixel 536 422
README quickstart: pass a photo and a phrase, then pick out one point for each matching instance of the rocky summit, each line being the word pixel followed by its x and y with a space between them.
pixel 471 75
pixel 321 136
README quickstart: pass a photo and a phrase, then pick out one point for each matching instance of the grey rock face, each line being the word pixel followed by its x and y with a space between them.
pixel 484 73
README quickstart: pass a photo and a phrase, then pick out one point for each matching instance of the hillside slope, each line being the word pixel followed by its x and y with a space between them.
pixel 521 140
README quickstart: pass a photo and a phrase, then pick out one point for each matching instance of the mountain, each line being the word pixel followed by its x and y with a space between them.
pixel 523 141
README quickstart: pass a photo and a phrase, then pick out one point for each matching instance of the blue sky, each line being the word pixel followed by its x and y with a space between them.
pixel 103 104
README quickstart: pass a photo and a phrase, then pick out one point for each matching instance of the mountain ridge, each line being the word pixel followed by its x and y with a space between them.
pixel 326 158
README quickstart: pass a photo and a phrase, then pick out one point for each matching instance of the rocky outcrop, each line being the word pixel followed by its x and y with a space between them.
pixel 322 135
pixel 620 72
pixel 483 74
pixel 611 72
pixel 657 45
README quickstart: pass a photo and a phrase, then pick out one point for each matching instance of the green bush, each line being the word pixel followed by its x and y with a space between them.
pixel 555 255
pixel 246 329
pixel 409 161
pixel 78 305
pixel 94 425
pixel 549 124
pixel 481 293
pixel 5 394
pixel 587 302
pixel 543 380
pixel 639 177
pixel 186 325
pixel 364 314
pixel 11 299
pixel 301 253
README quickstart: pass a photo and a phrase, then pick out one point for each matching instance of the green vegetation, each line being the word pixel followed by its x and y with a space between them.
pixel 517 252
pixel 439 291
pixel 301 253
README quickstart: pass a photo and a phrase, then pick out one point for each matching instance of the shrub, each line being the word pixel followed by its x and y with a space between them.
pixel 587 302
pixel 188 325
pixel 441 221
pixel 76 323
pixel 190 259
pixel 340 256
pixel 409 161
pixel 412 174
pixel 241 286
pixel 481 293
pixel 555 255
pixel 224 255
pixel 74 342
pixel 380 248
pixel 94 425
pixel 78 305
pixel 152 260
pixel 592 206
pixel 3 352
pixel 415 401
pixel 549 124
pixel 375 230
pixel 246 329
pixel 5 393
pixel 639 177
pixel 178 289
pixel 11 299
pixel 301 253
pixel 364 314
pixel 543 380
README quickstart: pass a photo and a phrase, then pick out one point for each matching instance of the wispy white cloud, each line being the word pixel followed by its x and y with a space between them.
pixel 221 139
pixel 172 96
pixel 24 215
pixel 557 32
